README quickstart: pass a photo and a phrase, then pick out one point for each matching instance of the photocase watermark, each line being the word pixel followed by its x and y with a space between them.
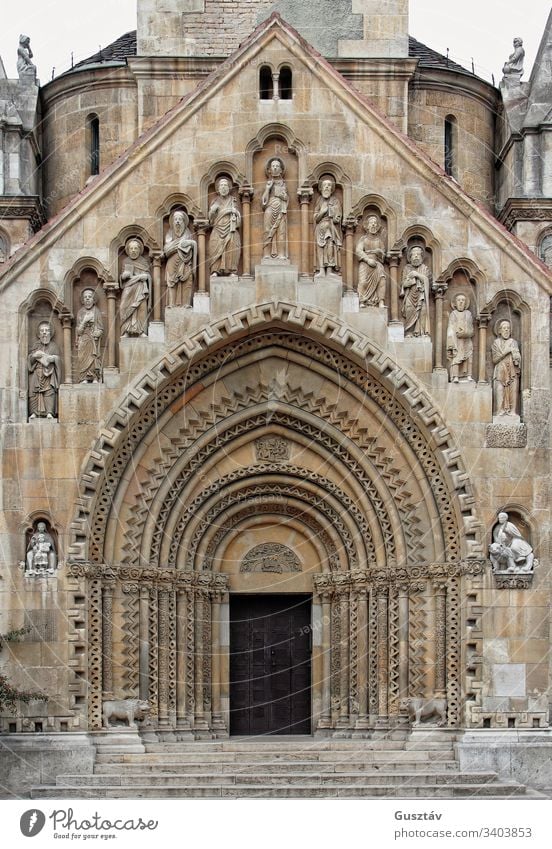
pixel 66 825
pixel 32 822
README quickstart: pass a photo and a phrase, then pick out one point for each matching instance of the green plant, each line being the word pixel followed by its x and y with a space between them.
pixel 10 696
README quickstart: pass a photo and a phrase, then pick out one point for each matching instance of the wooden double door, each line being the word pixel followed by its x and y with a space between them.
pixel 270 664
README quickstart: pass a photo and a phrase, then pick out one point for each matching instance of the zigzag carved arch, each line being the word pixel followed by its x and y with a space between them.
pixel 317 335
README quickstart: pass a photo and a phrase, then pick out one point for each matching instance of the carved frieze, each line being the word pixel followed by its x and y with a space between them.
pixel 270 557
pixel 272 449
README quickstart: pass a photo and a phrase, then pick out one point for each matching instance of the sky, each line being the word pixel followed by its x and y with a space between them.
pixel 478 29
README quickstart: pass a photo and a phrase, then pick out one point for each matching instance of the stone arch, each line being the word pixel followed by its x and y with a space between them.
pixel 431 242
pixel 295 145
pixel 472 271
pixel 77 269
pixel 220 167
pixel 120 240
pixel 385 210
pixel 341 179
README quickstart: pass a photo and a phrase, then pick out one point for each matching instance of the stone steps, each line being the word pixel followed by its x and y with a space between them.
pixel 274 767
pixel 275 756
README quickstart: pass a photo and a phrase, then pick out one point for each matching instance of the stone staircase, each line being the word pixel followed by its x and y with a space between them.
pixel 299 767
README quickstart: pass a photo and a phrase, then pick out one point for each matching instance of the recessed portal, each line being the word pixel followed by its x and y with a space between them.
pixel 270 664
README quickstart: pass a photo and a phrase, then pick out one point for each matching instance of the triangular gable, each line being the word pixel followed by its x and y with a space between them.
pixel 360 105
pixel 538 99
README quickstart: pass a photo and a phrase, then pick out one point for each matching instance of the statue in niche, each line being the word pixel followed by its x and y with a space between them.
pixel 44 367
pixel 370 251
pixel 2 250
pixel 460 334
pixel 181 254
pixel 89 337
pixel 274 201
pixel 509 552
pixel 416 285
pixel 328 237
pixel 506 358
pixel 25 68
pixel 135 285
pixel 514 65
pixel 41 557
pixel 225 241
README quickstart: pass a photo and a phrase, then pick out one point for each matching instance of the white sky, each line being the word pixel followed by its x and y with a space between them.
pixel 482 29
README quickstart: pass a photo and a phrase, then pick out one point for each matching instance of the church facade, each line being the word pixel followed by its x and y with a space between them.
pixel 275 387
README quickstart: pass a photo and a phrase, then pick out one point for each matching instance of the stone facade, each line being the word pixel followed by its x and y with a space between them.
pixel 266 434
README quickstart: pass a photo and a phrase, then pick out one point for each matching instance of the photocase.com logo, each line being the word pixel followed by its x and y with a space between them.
pixel 32 822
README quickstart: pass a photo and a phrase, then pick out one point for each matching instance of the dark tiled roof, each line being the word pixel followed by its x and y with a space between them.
pixel 125 47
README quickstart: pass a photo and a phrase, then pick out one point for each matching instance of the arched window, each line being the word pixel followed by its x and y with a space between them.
pixel 93 144
pixel 450 146
pixel 286 91
pixel 266 85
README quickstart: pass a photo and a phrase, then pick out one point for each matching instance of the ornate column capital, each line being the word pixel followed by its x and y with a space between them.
pixel 484 319
pixel 439 288
pixel 305 194
pixel 350 224
pixel 246 193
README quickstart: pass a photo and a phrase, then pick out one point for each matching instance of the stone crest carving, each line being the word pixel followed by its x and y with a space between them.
pixel 44 367
pixel 509 552
pixel 135 285
pixel 272 448
pixel 328 236
pixel 416 286
pixel 89 332
pixel 270 557
pixel 460 332
pixel 274 202
pixel 506 358
pixel 370 251
pixel 41 557
pixel 181 255
pixel 225 220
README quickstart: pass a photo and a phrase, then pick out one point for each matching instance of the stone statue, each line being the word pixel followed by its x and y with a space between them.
pixel 124 710
pixel 89 337
pixel 135 285
pixel 514 65
pixel 416 285
pixel 460 333
pixel 506 358
pixel 41 557
pixel 328 237
pixel 225 241
pixel 275 204
pixel 509 552
pixel 181 254
pixel 370 251
pixel 44 367
pixel 2 250
pixel 25 68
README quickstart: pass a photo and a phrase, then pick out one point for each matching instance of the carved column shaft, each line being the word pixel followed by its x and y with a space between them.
pixel 201 256
pixel 144 646
pixel 325 718
pixel 440 640
pixel 216 655
pixel 181 654
pixel 95 654
pixel 107 639
pixel 156 287
pixel 67 364
pixel 344 665
pixel 163 625
pixel 111 320
pixel 483 322
pixel 438 342
pixel 394 295
pixel 153 665
pixel 246 194
pixel 305 196
pixel 362 659
pixel 349 255
pixel 403 641
pixel 383 652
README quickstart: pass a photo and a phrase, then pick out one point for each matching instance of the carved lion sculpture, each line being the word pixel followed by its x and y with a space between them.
pixel 128 710
pixel 419 708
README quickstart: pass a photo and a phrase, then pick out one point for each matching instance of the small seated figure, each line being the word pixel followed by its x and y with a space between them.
pixel 514 65
pixel 41 558
pixel 25 68
pixel 460 339
pixel 509 552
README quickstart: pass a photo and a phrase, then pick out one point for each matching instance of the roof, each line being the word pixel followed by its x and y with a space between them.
pixel 125 48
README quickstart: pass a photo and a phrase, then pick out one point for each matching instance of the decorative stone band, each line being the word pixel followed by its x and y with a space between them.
pixel 403 578
pixel 208 582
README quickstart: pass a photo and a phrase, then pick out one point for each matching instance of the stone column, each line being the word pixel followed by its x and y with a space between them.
pixel 350 226
pixel 246 194
pixel 67 321
pixel 325 718
pixel 163 625
pixel 276 85
pixel 181 652
pixel 201 227
pixel 107 639
pixel 484 319
pixel 439 291
pixel 305 197
pixel 362 721
pixel 403 640
pixel 157 286
pixel 217 719
pixel 440 589
pixel 344 664
pixel 143 643
pixel 111 293
pixel 394 260
pixel 383 653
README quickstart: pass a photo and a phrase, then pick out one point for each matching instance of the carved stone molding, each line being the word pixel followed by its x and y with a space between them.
pixel 506 436
pixel 513 582
pixel 272 449
pixel 135 576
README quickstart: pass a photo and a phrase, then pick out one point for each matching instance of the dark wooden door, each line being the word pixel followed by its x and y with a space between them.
pixel 270 664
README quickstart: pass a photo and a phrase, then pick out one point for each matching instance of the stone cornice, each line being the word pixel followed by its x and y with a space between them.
pixel 525 209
